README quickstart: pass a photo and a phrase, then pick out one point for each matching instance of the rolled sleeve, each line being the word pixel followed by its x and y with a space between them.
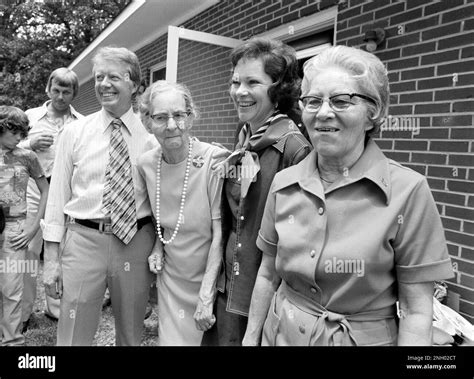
pixel 267 239
pixel 421 253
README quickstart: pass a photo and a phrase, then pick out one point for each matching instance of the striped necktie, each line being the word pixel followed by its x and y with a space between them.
pixel 119 198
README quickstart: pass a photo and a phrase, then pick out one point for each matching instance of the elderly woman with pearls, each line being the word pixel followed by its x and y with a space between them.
pixel 352 241
pixel 185 196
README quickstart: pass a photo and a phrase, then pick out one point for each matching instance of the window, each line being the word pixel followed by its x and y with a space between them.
pixel 158 72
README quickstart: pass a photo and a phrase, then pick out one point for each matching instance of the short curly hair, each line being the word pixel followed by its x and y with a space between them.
pixel 14 120
pixel 367 70
pixel 280 63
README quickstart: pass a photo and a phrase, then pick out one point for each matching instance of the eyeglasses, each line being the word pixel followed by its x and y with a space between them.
pixel 338 103
pixel 161 119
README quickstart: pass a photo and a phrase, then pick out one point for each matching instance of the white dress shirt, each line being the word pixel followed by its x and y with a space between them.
pixel 78 178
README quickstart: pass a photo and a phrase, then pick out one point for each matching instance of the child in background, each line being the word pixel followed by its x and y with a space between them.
pixel 16 167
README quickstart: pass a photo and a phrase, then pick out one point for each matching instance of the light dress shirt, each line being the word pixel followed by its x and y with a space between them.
pixel 78 176
pixel 40 123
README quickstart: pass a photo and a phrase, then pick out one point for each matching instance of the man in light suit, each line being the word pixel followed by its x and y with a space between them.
pixel 99 203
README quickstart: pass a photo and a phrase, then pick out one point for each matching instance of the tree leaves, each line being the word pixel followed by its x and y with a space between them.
pixel 36 38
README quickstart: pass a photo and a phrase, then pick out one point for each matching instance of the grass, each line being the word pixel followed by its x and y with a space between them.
pixel 42 330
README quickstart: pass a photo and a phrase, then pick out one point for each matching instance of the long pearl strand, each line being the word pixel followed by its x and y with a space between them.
pixel 183 196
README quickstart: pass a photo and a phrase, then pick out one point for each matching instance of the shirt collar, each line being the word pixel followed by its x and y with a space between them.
pixel 372 165
pixel 43 111
pixel 126 118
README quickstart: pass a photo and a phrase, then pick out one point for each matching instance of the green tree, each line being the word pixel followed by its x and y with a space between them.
pixel 38 37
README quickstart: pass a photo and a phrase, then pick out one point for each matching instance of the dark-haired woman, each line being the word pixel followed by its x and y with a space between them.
pixel 264 89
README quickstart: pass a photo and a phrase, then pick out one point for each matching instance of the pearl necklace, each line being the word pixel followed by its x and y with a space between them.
pixel 183 196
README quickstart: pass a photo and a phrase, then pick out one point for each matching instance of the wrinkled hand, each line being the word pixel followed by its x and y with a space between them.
pixel 203 316
pixel 156 261
pixel 41 142
pixel 247 341
pixel 52 279
pixel 22 239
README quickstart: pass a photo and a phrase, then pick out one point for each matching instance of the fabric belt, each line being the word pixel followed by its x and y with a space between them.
pixel 329 322
pixel 106 227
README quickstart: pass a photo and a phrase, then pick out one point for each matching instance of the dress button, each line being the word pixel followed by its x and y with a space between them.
pixel 242 218
pixel 302 329
pixel 313 290
pixel 313 253
pixel 239 245
pixel 321 210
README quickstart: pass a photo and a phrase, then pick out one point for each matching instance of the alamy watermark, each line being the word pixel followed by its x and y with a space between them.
pixel 401 124
pixel 19 266
pixel 344 266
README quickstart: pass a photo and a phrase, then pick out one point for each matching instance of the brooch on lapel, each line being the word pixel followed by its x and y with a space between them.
pixel 198 161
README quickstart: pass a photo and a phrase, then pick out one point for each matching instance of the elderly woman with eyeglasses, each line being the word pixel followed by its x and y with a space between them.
pixel 185 197
pixel 352 241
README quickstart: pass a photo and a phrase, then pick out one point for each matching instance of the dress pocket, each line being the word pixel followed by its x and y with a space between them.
pixel 375 333
pixel 272 322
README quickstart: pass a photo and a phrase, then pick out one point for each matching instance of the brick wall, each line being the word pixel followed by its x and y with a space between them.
pixel 429 54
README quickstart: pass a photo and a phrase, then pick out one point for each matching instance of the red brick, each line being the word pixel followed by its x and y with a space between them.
pixel 429 158
pixel 290 17
pixel 437 184
pixel 403 86
pixel 422 23
pixel 468 227
pixel 371 5
pixel 451 120
pixel 446 81
pixel 406 16
pixel 384 144
pixel 452 94
pixel 456 67
pixel 411 145
pixel 398 134
pixel 419 169
pixel 403 63
pixel 453 249
pixel 460 186
pixel 362 19
pixel 433 133
pixel 393 77
pixel 444 56
pixel 386 55
pixel 400 110
pixel 467 253
pixel 348 13
pixel 440 6
pixel 442 31
pixel 447 172
pixel 416 97
pixel 470 202
pixel 450 146
pixel 464 13
pixel 348 32
pixel 469 24
pixel 449 198
pixel 311 9
pixel 404 40
pixel 397 156
pixel 418 73
pixel 462 239
pixel 463 106
pixel 459 40
pixel 449 223
pixel 390 10
pixel 419 49
pixel 461 160
pixel 432 108
pixel 467 281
